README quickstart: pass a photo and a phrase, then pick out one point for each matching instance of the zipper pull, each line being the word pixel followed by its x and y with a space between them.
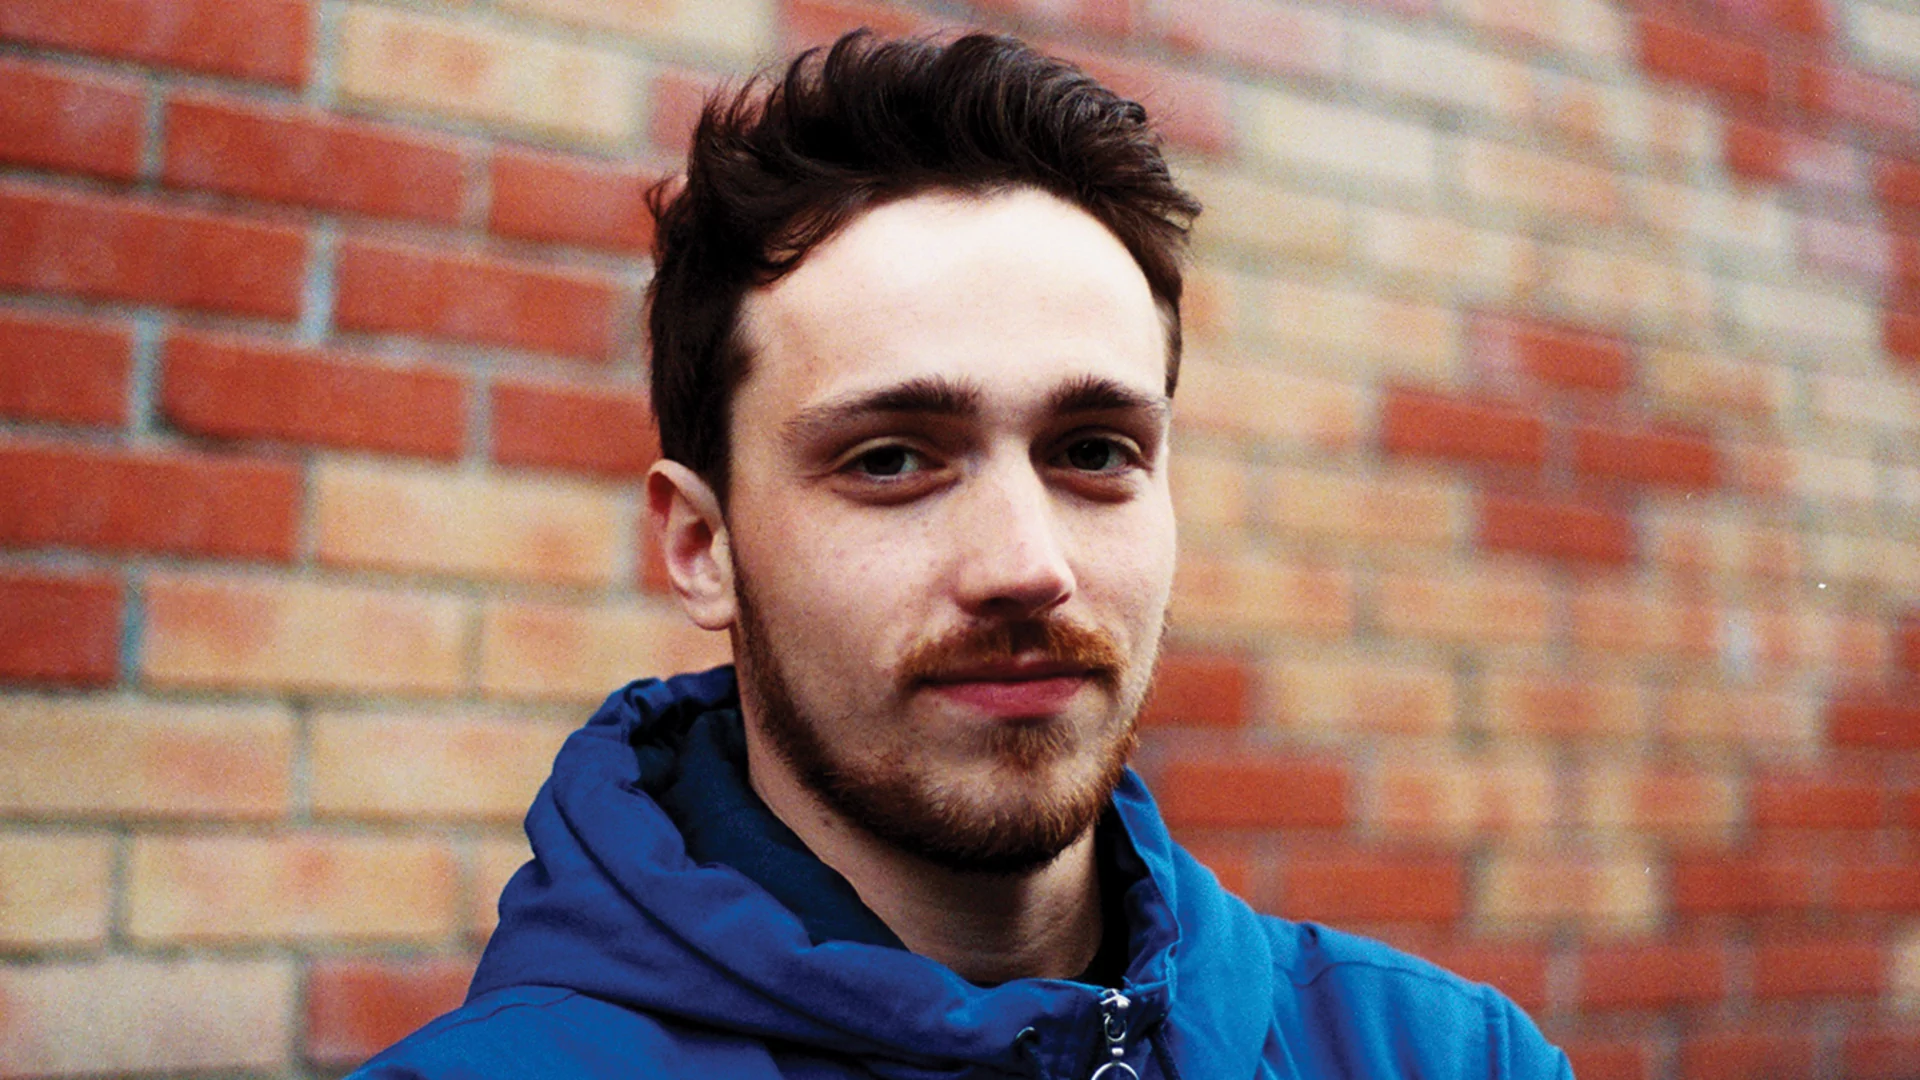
pixel 1113 1018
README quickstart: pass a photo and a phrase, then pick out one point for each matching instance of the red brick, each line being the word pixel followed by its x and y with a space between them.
pixel 1747 1055
pixel 59 118
pixel 54 368
pixel 359 1007
pixel 1270 794
pixel 1897 183
pixel 1892 887
pixel 1861 99
pixel 1902 334
pixel 1187 108
pixel 310 158
pixel 1876 722
pixel 1653 976
pixel 1195 689
pixel 1556 530
pixel 1813 802
pixel 1706 61
pixel 1743 885
pixel 570 200
pixel 1366 887
pixel 239 389
pixel 118 249
pixel 675 100
pixel 1755 152
pixel 474 298
pixel 1554 354
pixel 268 40
pixel 1908 645
pixel 1607 1059
pixel 1111 18
pixel 1421 424
pixel 1884 1054
pixel 806 23
pixel 603 430
pixel 62 630
pixel 1666 458
pixel 1229 859
pixel 1819 967
pixel 185 504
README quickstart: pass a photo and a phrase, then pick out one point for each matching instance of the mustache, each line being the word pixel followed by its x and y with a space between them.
pixel 1048 640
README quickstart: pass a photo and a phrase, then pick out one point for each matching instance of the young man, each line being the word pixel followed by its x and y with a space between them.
pixel 915 336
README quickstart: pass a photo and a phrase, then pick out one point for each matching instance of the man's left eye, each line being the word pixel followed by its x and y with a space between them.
pixel 1096 455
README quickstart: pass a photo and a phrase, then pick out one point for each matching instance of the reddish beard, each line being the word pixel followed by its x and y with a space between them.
pixel 891 794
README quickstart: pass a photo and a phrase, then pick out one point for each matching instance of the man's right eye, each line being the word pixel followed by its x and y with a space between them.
pixel 887 461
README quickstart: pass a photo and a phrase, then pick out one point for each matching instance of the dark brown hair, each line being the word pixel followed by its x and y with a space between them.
pixel 784 164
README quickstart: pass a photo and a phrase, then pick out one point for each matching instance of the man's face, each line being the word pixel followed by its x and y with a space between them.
pixel 950 528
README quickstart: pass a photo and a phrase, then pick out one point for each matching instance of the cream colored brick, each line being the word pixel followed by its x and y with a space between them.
pixel 1888 37
pixel 1676 802
pixel 1709 385
pixel 1245 399
pixel 1880 562
pixel 1903 978
pixel 143 759
pixel 1292 133
pixel 1833 480
pixel 1875 401
pixel 1694 542
pixel 583 653
pixel 1664 125
pixel 1536 701
pixel 1435 69
pixel 1353 694
pixel 1611 891
pixel 143 1016
pixel 1703 711
pixel 466 524
pixel 1833 326
pixel 1442 253
pixel 1245 212
pixel 1587 27
pixel 1434 794
pixel 301 635
pixel 54 888
pixel 459 68
pixel 742 29
pixel 1483 604
pixel 1750 223
pixel 1512 179
pixel 1251 593
pixel 1398 509
pixel 1632 619
pixel 308 886
pixel 1209 489
pixel 1612 287
pixel 412 766
pixel 1345 329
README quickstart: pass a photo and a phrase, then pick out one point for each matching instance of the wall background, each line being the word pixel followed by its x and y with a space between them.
pixel 1547 462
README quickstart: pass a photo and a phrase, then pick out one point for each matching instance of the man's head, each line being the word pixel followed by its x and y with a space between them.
pixel 937 295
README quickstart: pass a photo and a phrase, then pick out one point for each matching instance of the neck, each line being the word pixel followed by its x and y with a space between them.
pixel 990 928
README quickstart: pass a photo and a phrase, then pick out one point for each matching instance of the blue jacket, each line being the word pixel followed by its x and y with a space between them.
pixel 619 956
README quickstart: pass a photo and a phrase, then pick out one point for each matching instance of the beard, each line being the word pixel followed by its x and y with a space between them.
pixel 1048 784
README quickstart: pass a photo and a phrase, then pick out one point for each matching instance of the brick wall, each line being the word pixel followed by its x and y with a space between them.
pixel 1547 463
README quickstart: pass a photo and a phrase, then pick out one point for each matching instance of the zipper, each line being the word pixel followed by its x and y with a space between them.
pixel 1113 1022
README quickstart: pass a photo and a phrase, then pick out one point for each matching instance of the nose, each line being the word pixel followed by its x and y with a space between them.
pixel 1012 559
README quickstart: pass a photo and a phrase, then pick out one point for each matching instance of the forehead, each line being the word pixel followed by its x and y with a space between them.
pixel 1015 292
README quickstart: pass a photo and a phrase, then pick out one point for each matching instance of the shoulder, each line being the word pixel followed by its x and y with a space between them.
pixel 1348 996
pixel 537 1032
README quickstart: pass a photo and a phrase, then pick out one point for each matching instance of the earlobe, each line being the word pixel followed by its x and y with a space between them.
pixel 694 543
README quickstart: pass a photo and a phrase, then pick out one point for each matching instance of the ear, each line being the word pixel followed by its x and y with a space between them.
pixel 693 538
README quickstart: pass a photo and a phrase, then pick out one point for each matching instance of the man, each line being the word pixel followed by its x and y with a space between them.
pixel 915 333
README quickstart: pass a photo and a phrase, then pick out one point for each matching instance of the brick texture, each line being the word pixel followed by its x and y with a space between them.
pixel 1548 600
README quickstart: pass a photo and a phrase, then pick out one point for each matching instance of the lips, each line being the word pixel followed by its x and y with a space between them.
pixel 1014 689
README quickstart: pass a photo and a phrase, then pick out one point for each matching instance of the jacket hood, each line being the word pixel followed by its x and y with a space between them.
pixel 612 906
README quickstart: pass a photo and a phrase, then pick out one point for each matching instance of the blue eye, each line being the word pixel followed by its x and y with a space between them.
pixel 1096 455
pixel 884 461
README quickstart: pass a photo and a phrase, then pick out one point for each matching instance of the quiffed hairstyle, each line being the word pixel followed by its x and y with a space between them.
pixel 783 165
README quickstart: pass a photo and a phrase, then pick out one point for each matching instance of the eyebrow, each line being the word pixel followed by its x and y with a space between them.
pixel 938 395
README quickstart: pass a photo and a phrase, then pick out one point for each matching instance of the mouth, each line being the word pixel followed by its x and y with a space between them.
pixel 1012 689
